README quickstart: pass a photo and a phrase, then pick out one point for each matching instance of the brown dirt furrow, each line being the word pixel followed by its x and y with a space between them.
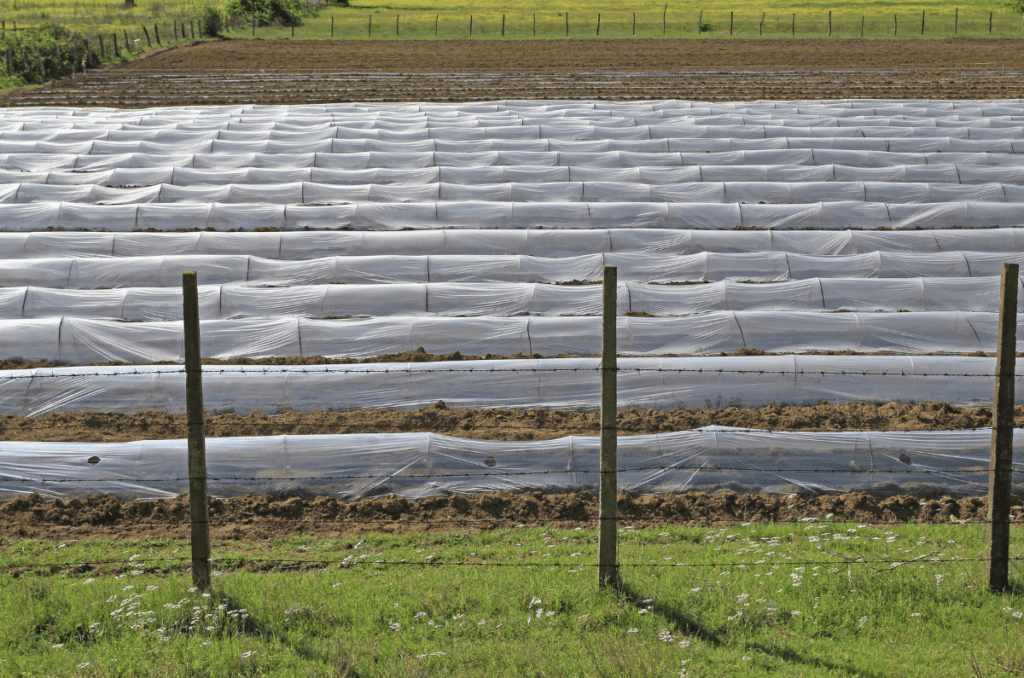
pixel 260 517
pixel 559 56
pixel 498 424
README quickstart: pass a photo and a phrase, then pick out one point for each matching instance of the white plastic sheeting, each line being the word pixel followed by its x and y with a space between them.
pixel 165 271
pixel 207 213
pixel 557 383
pixel 507 299
pixel 753 191
pixel 84 340
pixel 301 245
pixel 418 465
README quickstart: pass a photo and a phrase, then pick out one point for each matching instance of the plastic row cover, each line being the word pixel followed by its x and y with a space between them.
pixel 416 465
pixel 165 271
pixel 81 341
pixel 949 173
pixel 657 383
pixel 563 191
pixel 713 154
pixel 299 245
pixel 551 139
pixel 436 132
pixel 394 216
pixel 506 299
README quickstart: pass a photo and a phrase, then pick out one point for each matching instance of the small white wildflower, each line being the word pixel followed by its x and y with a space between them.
pixel 664 636
pixel 862 622
pixel 419 614
pixel 1017 615
pixel 915 614
pixel 57 646
pixel 457 617
pixel 83 665
pixel 795 613
pixel 334 586
pixel 684 644
pixel 746 659
pixel 246 655
pixel 697 590
pixel 633 631
pixel 394 626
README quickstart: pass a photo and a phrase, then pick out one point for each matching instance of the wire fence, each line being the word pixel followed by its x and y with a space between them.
pixel 667 23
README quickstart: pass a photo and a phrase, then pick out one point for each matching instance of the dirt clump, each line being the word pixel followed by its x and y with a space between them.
pixel 263 517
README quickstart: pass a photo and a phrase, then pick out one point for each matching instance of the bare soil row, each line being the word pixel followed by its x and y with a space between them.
pixel 498 424
pixel 260 517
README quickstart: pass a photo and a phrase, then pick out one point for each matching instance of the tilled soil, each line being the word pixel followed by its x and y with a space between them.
pixel 278 72
pixel 259 517
pixel 498 424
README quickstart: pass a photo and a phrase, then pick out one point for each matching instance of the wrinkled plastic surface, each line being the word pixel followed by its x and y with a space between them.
pixel 416 465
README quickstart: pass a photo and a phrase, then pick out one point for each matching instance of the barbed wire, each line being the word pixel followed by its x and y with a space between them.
pixel 248 371
pixel 459 474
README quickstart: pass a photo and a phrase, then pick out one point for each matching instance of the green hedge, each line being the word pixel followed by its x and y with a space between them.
pixel 55 45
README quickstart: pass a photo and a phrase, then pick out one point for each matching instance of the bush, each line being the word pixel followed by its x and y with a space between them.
pixel 211 20
pixel 266 12
pixel 55 43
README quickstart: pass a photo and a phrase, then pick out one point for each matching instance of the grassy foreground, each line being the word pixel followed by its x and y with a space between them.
pixel 793 599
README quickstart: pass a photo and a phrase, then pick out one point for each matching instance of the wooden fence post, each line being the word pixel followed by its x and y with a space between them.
pixel 664 20
pixel 700 22
pixel 956 21
pixel 634 23
pixel 397 17
pixel 830 23
pixel 922 22
pixel 895 25
pixel 503 25
pixel 471 25
pixel 535 24
pixel 369 27
pixel 192 29
pixel 1001 455
pixel 199 511
pixel 760 27
pixel 437 17
pixel 127 42
pixel 567 24
pixel 117 50
pixel 990 23
pixel 156 33
pixel 862 25
pixel 598 23
pixel 608 493
pixel 149 43
pixel 730 23
pixel 794 24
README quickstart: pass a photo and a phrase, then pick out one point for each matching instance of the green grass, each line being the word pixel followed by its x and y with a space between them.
pixel 418 22
pixel 753 600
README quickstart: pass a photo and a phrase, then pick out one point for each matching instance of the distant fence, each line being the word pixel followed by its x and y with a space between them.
pixel 667 23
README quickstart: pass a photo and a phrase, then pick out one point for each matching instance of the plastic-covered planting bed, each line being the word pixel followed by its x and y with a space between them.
pixel 557 383
pixel 425 464
pixel 299 245
pixel 425 215
pixel 839 161
pixel 85 340
pixel 165 271
pixel 599 190
pixel 977 169
pixel 507 299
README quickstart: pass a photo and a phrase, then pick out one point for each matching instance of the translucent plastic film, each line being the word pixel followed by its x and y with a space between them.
pixel 418 465
pixel 660 383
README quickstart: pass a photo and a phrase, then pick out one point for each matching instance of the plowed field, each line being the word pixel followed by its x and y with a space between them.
pixel 305 71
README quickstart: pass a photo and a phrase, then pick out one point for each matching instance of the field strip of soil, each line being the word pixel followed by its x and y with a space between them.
pixel 561 56
pixel 498 424
pixel 260 517
pixel 280 72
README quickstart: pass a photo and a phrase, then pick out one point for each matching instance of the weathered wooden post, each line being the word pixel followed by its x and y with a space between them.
pixel 1001 455
pixel 199 511
pixel 607 573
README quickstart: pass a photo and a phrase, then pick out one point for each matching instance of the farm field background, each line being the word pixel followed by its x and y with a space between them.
pixel 529 19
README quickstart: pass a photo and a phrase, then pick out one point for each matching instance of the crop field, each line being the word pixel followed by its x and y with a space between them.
pixel 400 249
